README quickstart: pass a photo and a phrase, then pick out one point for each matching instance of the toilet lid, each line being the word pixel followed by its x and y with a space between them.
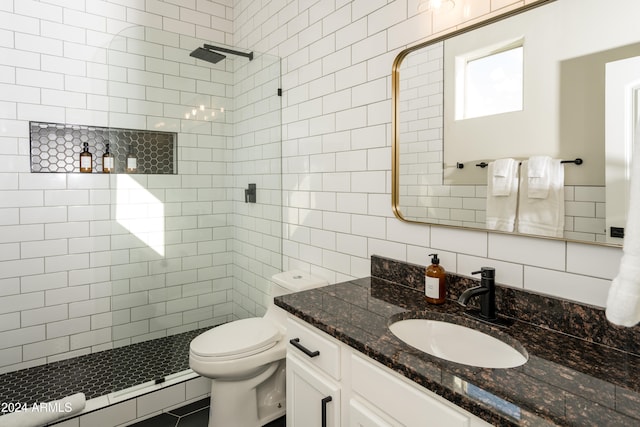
pixel 236 338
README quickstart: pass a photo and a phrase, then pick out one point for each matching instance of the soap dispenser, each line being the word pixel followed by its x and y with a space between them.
pixel 435 282
pixel 86 159
pixel 132 161
pixel 107 161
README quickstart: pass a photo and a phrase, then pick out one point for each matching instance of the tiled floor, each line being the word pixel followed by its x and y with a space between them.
pixel 99 374
pixel 193 415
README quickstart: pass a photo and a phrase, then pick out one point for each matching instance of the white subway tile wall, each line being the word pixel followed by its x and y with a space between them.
pixel 89 262
pixel 336 60
pixel 355 43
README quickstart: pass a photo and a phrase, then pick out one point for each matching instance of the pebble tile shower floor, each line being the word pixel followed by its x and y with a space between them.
pixel 99 374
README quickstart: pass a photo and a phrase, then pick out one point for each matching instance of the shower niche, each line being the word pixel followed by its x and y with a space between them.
pixel 56 147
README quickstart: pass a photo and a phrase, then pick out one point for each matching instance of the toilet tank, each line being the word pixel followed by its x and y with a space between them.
pixel 294 281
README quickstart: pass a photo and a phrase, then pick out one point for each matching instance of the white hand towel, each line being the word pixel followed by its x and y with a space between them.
pixel 539 175
pixel 501 209
pixel 502 172
pixel 42 414
pixel 623 302
pixel 542 217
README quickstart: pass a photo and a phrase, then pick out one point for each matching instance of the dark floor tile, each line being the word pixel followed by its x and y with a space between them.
pixel 280 422
pixel 196 419
pixel 192 407
pixel 98 374
pixel 162 420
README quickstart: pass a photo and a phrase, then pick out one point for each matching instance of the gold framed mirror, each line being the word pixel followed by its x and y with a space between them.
pixel 555 90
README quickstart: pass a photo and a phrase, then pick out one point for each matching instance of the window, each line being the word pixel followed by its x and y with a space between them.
pixel 489 83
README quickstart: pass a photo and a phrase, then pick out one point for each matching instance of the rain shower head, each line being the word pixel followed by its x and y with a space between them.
pixel 207 55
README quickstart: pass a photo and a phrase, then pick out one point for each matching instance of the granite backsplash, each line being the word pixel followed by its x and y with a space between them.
pixel 579 320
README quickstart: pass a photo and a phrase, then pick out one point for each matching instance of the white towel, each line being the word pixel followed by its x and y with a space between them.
pixel 623 302
pixel 502 172
pixel 42 414
pixel 502 204
pixel 542 217
pixel 539 176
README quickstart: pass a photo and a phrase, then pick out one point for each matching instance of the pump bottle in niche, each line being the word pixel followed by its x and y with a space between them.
pixel 132 161
pixel 86 159
pixel 435 282
pixel 107 161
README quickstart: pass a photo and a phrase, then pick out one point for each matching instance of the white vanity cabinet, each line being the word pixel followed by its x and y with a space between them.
pixel 361 415
pixel 396 401
pixel 313 378
pixel 362 392
pixel 313 400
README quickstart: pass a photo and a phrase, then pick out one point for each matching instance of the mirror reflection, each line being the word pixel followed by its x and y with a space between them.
pixel 512 104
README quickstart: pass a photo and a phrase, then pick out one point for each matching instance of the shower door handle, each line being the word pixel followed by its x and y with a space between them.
pixel 296 343
pixel 324 409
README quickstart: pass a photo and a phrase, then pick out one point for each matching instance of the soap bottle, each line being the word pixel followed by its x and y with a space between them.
pixel 132 161
pixel 86 159
pixel 434 282
pixel 107 161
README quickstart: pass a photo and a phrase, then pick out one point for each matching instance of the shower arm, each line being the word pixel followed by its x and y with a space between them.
pixel 225 50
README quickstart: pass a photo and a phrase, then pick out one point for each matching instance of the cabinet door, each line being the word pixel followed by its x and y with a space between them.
pixel 401 400
pixel 361 416
pixel 309 394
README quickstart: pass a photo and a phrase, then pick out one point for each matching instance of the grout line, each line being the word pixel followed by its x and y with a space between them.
pixel 193 412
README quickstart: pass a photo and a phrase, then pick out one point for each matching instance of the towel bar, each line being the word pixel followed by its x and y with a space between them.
pixel 577 161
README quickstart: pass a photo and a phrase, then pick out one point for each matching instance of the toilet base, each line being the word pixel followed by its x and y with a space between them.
pixel 252 402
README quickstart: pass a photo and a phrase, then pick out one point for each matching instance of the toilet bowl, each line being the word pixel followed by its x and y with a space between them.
pixel 245 360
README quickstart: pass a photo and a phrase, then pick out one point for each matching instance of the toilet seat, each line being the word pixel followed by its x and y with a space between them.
pixel 236 339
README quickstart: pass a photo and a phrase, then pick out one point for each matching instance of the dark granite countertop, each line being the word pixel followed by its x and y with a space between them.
pixel 567 380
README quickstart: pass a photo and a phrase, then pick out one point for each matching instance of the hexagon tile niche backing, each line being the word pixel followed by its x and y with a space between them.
pixel 56 148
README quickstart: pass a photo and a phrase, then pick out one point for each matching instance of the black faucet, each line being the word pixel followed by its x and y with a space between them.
pixel 486 291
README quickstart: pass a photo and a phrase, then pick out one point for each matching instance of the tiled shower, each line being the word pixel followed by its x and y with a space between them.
pixel 91 262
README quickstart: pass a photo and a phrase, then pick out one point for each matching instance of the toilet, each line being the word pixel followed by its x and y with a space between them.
pixel 245 360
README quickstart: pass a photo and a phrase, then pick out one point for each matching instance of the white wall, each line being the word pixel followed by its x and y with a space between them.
pixel 337 58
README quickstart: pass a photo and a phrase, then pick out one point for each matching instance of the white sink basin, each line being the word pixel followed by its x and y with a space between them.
pixel 457 343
